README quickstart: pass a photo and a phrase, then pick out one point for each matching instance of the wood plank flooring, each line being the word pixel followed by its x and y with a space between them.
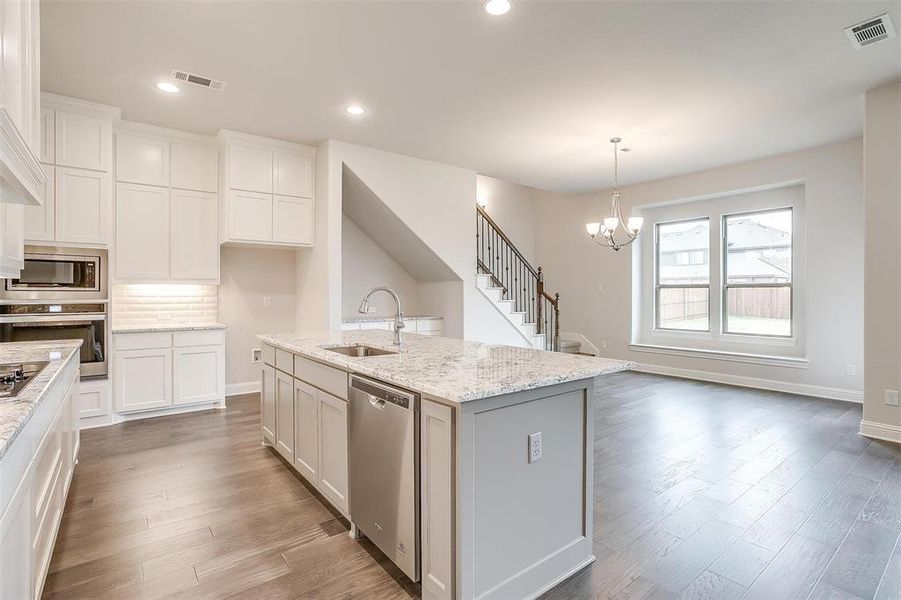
pixel 702 491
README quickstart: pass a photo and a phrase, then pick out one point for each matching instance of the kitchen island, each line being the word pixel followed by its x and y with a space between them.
pixel 505 449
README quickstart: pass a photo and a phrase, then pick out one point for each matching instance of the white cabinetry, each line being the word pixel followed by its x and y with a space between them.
pixel 142 160
pixel 142 232
pixel 164 369
pixel 267 191
pixel 436 492
pixel 35 473
pixel 316 420
pixel 420 325
pixel 76 147
pixel 166 215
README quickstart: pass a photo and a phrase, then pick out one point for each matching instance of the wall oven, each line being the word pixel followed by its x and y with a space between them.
pixel 42 322
pixel 60 294
pixel 63 274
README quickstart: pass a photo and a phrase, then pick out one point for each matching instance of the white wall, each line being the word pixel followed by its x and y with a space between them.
pixel 248 276
pixel 882 182
pixel 434 200
pixel 364 265
pixel 832 175
pixel 512 207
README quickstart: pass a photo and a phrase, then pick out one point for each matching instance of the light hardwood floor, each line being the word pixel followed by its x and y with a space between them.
pixel 702 491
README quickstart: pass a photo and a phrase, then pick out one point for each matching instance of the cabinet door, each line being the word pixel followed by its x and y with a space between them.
pixel 143 379
pixel 284 419
pixel 15 542
pixel 48 152
pixel 292 175
pixel 306 431
pixel 198 374
pixel 249 169
pixel 142 160
pixel 267 403
pixel 82 206
pixel 292 220
pixel 194 167
pixel 436 497
pixel 82 141
pixel 14 237
pixel 194 245
pixel 93 399
pixel 39 220
pixel 333 449
pixel 142 232
pixel 250 216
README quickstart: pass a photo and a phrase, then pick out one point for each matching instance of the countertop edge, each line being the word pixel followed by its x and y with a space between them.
pixel 23 420
pixel 341 363
pixel 116 328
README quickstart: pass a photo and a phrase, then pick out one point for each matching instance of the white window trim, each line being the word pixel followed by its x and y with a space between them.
pixel 716 344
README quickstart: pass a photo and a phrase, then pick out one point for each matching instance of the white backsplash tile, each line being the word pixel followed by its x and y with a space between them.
pixel 135 304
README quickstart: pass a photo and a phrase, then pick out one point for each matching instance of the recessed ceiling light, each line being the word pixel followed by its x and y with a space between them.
pixel 169 88
pixel 355 110
pixel 497 7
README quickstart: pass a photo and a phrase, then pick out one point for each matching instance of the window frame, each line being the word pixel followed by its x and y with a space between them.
pixel 724 279
pixel 659 286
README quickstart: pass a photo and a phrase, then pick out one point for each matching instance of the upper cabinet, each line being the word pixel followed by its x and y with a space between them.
pixel 267 195
pixel 21 175
pixel 82 141
pixel 167 210
pixel 75 143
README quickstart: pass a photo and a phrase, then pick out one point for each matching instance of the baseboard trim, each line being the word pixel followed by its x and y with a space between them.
pixel 245 387
pixel 803 389
pixel 881 431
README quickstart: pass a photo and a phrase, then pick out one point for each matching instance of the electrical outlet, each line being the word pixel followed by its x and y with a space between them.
pixel 850 369
pixel 256 355
pixel 891 397
pixel 267 301
pixel 534 447
pixel 165 316
pixel 603 344
pixel 371 309
pixel 600 287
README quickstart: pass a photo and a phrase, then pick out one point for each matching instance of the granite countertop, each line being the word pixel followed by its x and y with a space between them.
pixel 370 318
pixel 164 326
pixel 15 412
pixel 448 368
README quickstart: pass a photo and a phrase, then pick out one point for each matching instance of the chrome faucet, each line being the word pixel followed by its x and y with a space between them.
pixel 398 315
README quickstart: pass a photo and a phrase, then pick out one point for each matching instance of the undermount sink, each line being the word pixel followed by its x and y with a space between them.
pixel 359 350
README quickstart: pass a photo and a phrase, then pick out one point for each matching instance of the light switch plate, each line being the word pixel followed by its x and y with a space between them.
pixel 891 397
pixel 256 355
pixel 535 447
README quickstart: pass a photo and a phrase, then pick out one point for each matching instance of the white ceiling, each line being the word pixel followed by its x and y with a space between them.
pixel 530 97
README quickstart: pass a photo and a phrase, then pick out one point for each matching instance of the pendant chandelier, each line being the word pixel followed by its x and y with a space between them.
pixel 614 231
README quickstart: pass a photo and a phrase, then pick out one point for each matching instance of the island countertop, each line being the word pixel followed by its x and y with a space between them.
pixel 15 412
pixel 447 368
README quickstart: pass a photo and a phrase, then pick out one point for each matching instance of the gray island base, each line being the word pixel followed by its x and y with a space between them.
pixel 505 450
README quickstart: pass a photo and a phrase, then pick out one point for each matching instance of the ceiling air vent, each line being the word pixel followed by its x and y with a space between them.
pixel 207 82
pixel 871 31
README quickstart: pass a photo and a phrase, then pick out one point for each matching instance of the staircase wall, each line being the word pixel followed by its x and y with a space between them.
pixel 435 201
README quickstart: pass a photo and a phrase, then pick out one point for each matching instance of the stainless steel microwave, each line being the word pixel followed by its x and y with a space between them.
pixel 56 273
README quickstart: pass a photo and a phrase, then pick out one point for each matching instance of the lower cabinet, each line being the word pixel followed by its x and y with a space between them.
pixel 284 415
pixel 309 424
pixel 267 408
pixel 333 449
pixel 35 474
pixel 167 369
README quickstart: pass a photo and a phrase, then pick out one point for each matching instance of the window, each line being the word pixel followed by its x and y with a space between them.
pixel 757 259
pixel 683 275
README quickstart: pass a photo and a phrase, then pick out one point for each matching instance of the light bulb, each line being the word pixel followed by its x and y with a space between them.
pixel 497 7
pixel 611 223
pixel 635 224
pixel 593 228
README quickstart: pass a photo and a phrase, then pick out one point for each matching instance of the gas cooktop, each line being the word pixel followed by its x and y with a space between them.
pixel 15 376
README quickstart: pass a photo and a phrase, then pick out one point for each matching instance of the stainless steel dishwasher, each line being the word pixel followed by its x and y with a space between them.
pixel 384 469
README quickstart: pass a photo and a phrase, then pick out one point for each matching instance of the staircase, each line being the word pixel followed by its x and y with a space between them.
pixel 516 288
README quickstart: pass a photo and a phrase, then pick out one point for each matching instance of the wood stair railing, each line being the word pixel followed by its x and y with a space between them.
pixel 498 257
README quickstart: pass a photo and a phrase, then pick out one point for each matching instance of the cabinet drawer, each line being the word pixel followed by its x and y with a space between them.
pixel 47 461
pixel 333 381
pixel 428 325
pixel 269 354
pixel 140 341
pixel 284 361
pixel 198 338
